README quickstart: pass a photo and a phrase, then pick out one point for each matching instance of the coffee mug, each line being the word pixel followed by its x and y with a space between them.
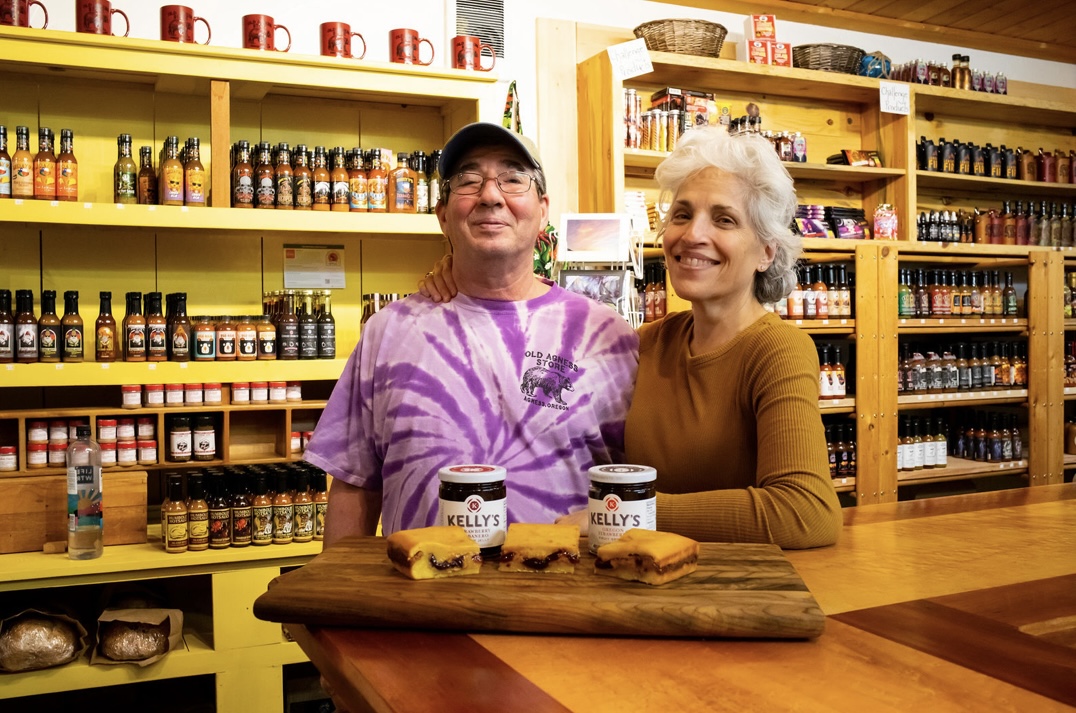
pixel 95 17
pixel 336 40
pixel 16 13
pixel 177 24
pixel 467 53
pixel 259 33
pixel 404 46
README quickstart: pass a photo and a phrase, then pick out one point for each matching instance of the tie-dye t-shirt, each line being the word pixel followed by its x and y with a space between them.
pixel 541 387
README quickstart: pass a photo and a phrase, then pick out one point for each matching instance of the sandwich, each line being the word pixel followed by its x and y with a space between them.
pixel 648 556
pixel 434 552
pixel 540 548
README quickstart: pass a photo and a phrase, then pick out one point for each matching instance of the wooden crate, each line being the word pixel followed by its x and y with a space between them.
pixel 33 510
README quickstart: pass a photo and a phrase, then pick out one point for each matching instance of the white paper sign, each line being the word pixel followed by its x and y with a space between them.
pixel 895 97
pixel 630 59
pixel 314 267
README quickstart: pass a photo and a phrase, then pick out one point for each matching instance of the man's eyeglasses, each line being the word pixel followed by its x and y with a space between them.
pixel 469 183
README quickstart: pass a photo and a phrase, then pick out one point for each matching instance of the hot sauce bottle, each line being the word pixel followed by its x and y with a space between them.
pixel 322 181
pixel 7 329
pixel 220 512
pixel 194 176
pixel 287 324
pixel 67 168
pixel 377 184
pixel 262 509
pixel 308 327
pixel 402 182
pixel 340 182
pixel 304 180
pixel 71 327
pixel 25 327
pixel 48 329
pixel 45 167
pixel 22 165
pixel 283 512
pixel 241 502
pixel 179 331
pixel 197 514
pixel 264 178
pixel 174 522
pixel 303 510
pixel 321 504
pixel 422 188
pixel 5 165
pixel 147 177
pixel 134 329
pixel 356 176
pixel 285 178
pixel 326 328
pixel 156 329
pixel 105 330
pixel 170 190
pixel 125 173
pixel 246 337
pixel 242 177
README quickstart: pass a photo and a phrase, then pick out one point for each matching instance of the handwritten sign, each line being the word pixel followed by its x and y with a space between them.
pixel 894 97
pixel 630 59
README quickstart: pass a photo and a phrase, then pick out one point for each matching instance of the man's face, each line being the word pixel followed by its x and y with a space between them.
pixel 490 224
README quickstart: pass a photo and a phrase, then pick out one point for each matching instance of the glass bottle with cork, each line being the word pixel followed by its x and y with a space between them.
pixel 67 168
pixel 147 177
pixel 322 181
pixel 285 178
pixel 356 176
pixel 45 166
pixel 170 188
pixel 5 165
pixel 304 180
pixel 22 165
pixel 194 178
pixel 85 526
pixel 7 329
pixel 125 173
pixel 340 185
pixel 134 329
pixel 72 329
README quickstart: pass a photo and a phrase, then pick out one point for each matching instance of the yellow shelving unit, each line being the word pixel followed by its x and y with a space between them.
pixel 91 373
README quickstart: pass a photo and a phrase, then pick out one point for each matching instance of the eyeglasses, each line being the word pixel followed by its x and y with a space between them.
pixel 469 183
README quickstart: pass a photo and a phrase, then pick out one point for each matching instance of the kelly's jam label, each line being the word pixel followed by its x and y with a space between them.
pixel 621 498
pixel 474 497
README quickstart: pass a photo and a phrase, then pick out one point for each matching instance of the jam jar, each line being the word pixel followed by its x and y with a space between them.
pixel 621 498
pixel 475 498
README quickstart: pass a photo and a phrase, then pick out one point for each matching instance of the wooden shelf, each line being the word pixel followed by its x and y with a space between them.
pixel 844 485
pixel 1001 187
pixel 645 159
pixel 961 469
pixel 1070 461
pixel 1070 394
pixel 167 372
pixel 968 250
pixel 965 398
pixel 838 245
pixel 182 218
pixel 997 108
pixel 844 325
pixel 929 325
pixel 832 406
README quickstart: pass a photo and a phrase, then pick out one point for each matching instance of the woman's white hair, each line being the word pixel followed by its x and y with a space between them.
pixel 769 200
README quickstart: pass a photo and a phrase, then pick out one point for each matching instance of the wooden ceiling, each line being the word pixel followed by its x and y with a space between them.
pixel 1043 29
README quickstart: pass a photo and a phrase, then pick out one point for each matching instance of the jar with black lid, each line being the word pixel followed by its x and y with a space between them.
pixel 475 498
pixel 621 498
pixel 180 440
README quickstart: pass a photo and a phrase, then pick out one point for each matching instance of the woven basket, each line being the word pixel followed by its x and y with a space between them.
pixel 697 37
pixel 828 58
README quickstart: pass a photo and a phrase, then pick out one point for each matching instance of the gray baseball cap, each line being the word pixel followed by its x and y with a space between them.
pixel 483 133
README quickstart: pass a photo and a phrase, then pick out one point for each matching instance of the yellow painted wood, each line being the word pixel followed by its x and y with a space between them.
pixel 234 592
pixel 257 689
pixel 556 128
pixel 119 373
pixel 601 136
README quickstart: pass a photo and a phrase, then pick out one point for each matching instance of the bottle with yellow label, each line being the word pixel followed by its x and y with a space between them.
pixel 194 178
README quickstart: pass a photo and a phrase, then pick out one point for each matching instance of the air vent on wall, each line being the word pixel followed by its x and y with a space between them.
pixel 483 19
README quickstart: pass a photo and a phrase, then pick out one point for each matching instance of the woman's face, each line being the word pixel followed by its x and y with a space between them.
pixel 711 250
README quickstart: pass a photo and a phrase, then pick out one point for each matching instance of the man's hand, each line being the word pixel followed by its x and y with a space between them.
pixel 438 284
pixel 579 517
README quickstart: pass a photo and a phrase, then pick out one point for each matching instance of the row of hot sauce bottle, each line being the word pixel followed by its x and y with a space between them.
pixel 239 506
pixel 1051 226
pixel 283 332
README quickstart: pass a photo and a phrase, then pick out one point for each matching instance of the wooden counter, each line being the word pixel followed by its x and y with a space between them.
pixel 965 603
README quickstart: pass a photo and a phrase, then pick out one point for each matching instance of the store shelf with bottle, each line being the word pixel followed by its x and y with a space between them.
pixel 841 444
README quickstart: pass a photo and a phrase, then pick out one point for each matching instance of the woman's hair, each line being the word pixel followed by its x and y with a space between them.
pixel 769 195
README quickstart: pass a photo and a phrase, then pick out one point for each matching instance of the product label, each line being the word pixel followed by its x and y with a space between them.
pixel 341 192
pixel 405 195
pixel 195 187
pixel 289 341
pixel 322 191
pixel 266 192
pixel 263 524
pixel 283 517
pixel 126 186
pixel 267 342
pixel 176 532
pixel 241 525
pixel 327 340
pixel 377 190
pixel 485 521
pixel 243 192
pixel 84 497
pixel 611 517
pixel 27 340
pixel 72 342
pixel 173 184
pixel 247 343
pixel 205 343
pixel 5 177
pixel 285 191
pixel 303 191
pixel 357 193
pixel 7 341
pixel 198 524
pixel 226 344
pixel 205 444
pixel 179 444
pixel 48 341
pixel 220 527
pixel 136 341
pixel 304 520
pixel 158 340
pixel 319 519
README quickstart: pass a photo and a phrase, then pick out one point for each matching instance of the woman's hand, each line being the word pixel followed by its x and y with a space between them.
pixel 579 517
pixel 438 284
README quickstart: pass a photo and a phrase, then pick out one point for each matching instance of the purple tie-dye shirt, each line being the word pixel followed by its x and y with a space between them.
pixel 541 387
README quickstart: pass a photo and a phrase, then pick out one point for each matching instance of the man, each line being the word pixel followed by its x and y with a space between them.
pixel 514 372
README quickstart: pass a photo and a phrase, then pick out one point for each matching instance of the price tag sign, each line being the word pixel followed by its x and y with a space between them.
pixel 630 59
pixel 314 266
pixel 895 97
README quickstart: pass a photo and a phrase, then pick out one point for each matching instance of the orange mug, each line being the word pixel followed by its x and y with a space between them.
pixel 95 17
pixel 177 24
pixel 467 53
pixel 404 46
pixel 336 40
pixel 16 13
pixel 259 33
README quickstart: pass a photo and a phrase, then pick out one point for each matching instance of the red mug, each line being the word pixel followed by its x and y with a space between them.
pixel 177 24
pixel 404 46
pixel 95 17
pixel 467 53
pixel 336 40
pixel 259 33
pixel 16 13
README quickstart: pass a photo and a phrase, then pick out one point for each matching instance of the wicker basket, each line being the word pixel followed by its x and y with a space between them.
pixel 697 37
pixel 828 58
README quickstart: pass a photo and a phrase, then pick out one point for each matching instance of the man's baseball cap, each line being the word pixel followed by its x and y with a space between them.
pixel 484 134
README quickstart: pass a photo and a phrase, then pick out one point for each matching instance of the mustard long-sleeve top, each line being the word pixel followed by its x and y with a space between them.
pixel 736 435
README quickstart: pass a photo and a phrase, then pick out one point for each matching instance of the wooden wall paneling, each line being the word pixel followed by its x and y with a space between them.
pixel 20 255
pixel 1046 368
pixel 888 134
pixel 556 131
pixel 601 122
pixel 220 140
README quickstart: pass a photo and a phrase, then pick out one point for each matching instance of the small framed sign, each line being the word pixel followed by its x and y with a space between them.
pixel 594 237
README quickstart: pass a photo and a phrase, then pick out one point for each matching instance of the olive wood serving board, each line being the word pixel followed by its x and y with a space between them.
pixel 739 590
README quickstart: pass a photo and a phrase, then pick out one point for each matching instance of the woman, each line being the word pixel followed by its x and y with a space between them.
pixel 726 397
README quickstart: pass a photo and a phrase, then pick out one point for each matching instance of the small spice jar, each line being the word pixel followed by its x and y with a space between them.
pixel 125 429
pixel 126 453
pixel 205 439
pixel 57 454
pixel 621 497
pixel 241 392
pixel 106 430
pixel 108 453
pixel 278 392
pixel 37 432
pixel 180 441
pixel 147 452
pixel 296 443
pixel 173 394
pixel 57 431
pixel 294 391
pixel 37 455
pixel 153 394
pixel 259 392
pixel 474 496
pixel 9 459
pixel 305 437
pixel 193 395
pixel 131 396
pixel 212 393
pixel 146 428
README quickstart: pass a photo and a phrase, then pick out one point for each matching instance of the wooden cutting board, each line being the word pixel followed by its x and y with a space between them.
pixel 738 591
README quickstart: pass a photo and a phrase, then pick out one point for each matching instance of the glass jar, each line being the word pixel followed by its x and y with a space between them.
pixel 294 391
pixel 37 455
pixel 106 430
pixel 126 454
pixel 193 395
pixel 180 440
pixel 278 392
pixel 37 432
pixel 146 428
pixel 9 459
pixel 241 392
pixel 259 392
pixel 173 395
pixel 204 439
pixel 108 453
pixel 205 339
pixel 621 497
pixel 147 452
pixel 57 454
pixel 474 496
pixel 125 429
pixel 212 393
pixel 153 394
